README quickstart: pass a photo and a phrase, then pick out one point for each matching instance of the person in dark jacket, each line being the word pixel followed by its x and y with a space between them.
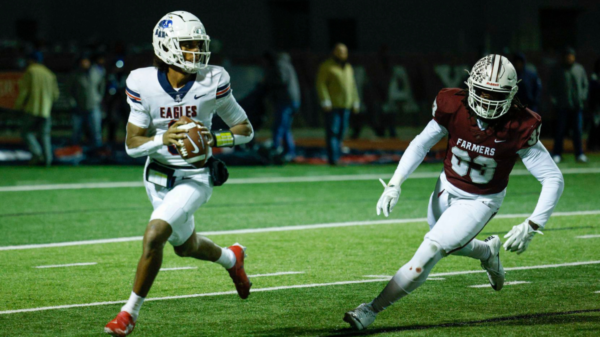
pixel 281 84
pixel 568 93
pixel 86 87
pixel 594 105
pixel 530 86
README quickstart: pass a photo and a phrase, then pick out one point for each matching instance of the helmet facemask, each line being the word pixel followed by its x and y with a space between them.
pixel 192 61
pixel 492 86
pixel 490 108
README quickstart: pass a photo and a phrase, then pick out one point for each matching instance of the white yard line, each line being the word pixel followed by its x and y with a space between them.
pixel 463 272
pixel 266 180
pixel 177 268
pixel 277 274
pixel 68 265
pixel 597 292
pixel 257 290
pixel 299 286
pixel 592 236
pixel 506 284
pixel 276 229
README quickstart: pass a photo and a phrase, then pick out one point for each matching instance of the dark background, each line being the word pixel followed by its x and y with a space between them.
pixel 418 35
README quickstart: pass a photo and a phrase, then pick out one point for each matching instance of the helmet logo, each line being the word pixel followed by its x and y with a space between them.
pixel 164 24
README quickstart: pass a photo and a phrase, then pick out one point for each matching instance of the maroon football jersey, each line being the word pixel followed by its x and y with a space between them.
pixel 480 161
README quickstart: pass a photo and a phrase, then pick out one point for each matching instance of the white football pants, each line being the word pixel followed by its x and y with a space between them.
pixel 454 220
pixel 178 205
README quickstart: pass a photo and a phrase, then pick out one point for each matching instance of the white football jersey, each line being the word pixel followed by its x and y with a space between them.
pixel 155 104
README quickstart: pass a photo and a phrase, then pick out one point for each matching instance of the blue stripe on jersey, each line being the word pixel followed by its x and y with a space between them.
pixel 176 95
pixel 222 87
pixel 133 93
pixel 224 94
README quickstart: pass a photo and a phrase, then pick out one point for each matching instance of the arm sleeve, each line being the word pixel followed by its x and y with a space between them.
pixel 139 115
pixel 355 97
pixel 538 162
pixel 24 86
pixel 585 85
pixel 227 107
pixel 55 90
pixel 322 92
pixel 417 150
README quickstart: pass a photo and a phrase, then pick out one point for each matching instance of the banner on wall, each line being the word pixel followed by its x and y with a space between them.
pixel 9 88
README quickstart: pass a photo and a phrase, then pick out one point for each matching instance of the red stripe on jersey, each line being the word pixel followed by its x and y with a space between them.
pixel 223 91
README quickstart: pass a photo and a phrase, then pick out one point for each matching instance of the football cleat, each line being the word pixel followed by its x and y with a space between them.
pixel 492 265
pixel 361 317
pixel 237 272
pixel 122 325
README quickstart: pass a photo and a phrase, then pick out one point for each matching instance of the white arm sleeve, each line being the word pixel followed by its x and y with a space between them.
pixel 230 111
pixel 417 150
pixel 538 162
pixel 147 148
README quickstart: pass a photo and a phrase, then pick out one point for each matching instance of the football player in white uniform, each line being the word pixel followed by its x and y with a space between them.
pixel 488 130
pixel 180 84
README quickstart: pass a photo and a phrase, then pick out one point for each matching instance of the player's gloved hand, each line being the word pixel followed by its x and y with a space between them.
pixel 209 136
pixel 388 199
pixel 519 237
pixel 174 134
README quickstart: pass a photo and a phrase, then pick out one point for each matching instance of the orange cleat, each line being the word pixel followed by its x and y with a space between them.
pixel 237 272
pixel 122 325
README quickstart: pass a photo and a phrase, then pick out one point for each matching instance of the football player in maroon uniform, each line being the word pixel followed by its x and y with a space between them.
pixel 488 129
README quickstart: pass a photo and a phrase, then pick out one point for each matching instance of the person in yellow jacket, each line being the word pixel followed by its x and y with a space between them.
pixel 38 90
pixel 338 95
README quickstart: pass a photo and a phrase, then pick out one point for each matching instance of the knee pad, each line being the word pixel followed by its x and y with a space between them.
pixel 426 257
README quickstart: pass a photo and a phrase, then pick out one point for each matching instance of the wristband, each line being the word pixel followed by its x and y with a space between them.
pixel 223 138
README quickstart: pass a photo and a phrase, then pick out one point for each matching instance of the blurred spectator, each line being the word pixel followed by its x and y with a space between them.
pixel 337 92
pixel 594 105
pixel 568 93
pixel 87 86
pixel 530 86
pixel 38 89
pixel 281 83
pixel 117 108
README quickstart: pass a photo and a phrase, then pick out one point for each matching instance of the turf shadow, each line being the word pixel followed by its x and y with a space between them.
pixel 545 230
pixel 529 319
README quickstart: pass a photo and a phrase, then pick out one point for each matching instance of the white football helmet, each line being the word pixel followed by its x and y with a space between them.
pixel 176 27
pixel 495 75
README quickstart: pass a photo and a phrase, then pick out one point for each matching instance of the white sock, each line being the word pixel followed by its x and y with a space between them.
pixel 227 259
pixel 410 276
pixel 133 305
pixel 476 249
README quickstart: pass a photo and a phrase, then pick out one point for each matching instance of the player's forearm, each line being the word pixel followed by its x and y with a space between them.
pixel 140 146
pixel 242 133
pixel 540 164
pixel 416 152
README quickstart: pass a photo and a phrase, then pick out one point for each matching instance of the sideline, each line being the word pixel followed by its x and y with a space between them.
pixel 269 180
pixel 276 229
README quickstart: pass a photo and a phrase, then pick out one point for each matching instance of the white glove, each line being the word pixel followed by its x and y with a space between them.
pixel 519 237
pixel 388 199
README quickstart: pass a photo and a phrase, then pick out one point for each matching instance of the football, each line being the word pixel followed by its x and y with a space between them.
pixel 194 148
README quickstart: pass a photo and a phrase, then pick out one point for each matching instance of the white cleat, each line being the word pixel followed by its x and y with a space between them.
pixel 361 317
pixel 492 265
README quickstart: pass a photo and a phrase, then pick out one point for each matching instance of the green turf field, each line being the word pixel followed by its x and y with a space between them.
pixel 326 270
